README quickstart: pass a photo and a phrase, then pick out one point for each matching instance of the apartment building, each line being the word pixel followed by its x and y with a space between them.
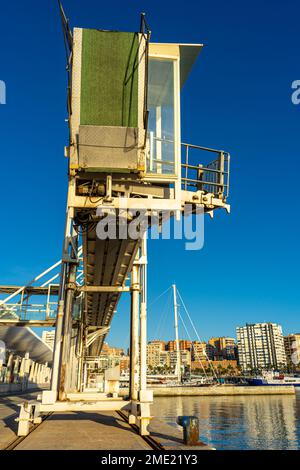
pixel 184 345
pixel 292 349
pixel 155 350
pixel 225 347
pixel 48 337
pixel 202 351
pixel 261 346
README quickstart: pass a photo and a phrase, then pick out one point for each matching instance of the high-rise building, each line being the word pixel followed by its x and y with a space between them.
pixel 292 349
pixel 48 337
pixel 260 346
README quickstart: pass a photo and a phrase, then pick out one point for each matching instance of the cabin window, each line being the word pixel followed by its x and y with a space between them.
pixel 161 123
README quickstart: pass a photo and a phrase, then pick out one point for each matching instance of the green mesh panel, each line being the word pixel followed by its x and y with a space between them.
pixel 109 78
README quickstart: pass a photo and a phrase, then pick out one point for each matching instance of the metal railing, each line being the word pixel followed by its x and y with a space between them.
pixel 211 178
pixel 23 309
pixel 28 312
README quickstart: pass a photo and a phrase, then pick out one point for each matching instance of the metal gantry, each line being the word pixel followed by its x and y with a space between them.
pixel 124 157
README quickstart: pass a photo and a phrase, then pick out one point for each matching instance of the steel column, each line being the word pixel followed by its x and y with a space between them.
pixel 65 369
pixel 134 333
pixel 57 347
pixel 134 344
pixel 143 316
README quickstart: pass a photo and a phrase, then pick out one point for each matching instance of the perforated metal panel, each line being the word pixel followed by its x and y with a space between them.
pixel 106 147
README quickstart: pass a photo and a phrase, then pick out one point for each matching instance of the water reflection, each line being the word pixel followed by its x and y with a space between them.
pixel 249 422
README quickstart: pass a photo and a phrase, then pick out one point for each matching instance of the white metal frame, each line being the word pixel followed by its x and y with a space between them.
pixel 176 178
pixel 68 362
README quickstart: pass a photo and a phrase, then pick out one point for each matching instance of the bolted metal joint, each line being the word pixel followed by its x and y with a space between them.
pixel 71 286
pixel 135 287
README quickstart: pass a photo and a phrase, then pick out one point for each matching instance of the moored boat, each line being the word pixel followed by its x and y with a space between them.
pixel 274 378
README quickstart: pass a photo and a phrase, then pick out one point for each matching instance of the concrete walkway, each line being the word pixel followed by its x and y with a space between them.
pixel 223 390
pixel 69 431
pixel 84 431
pixel 105 430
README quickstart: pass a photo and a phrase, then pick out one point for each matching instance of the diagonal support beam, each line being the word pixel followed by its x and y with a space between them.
pixel 91 337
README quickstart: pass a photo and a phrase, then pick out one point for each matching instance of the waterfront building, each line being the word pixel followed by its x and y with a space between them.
pixel 164 359
pixel 230 353
pixel 48 337
pixel 109 357
pixel 292 349
pixel 228 367
pixel 157 343
pixel 261 346
pixel 185 358
pixel 184 345
pixel 111 351
pixel 202 351
pixel 225 347
pixel 124 364
pixel 193 354
pixel 154 350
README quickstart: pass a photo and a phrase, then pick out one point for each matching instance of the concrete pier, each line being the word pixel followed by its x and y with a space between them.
pixel 105 430
pixel 84 431
pixel 226 390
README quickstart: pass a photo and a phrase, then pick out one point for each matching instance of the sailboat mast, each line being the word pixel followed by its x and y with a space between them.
pixel 178 362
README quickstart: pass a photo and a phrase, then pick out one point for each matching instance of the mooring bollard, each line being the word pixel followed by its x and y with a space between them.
pixel 190 426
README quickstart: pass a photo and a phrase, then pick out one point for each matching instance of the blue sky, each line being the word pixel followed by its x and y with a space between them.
pixel 238 97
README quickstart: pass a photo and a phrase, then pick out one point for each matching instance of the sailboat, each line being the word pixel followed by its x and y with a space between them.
pixel 178 377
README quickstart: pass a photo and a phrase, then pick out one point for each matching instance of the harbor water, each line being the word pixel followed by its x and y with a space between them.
pixel 239 423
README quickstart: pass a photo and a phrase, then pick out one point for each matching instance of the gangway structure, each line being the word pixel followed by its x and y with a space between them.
pixel 125 159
